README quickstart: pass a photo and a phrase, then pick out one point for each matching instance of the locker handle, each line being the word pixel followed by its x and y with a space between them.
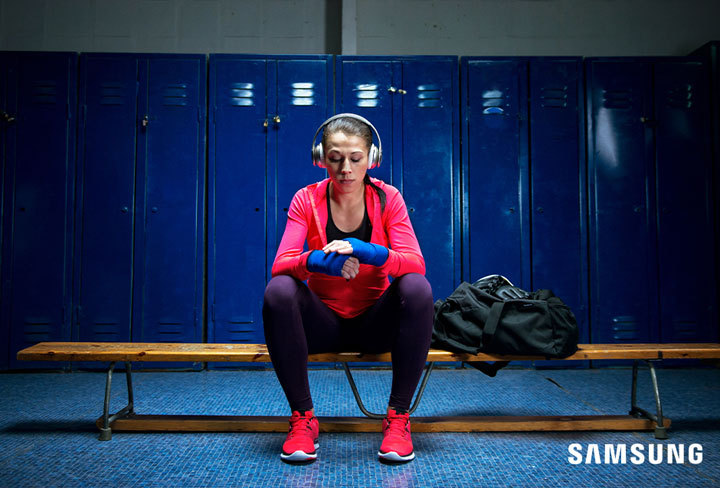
pixel 124 210
pixel 401 91
pixel 276 119
pixel 265 123
pixel 7 117
pixel 145 121
pixel 392 89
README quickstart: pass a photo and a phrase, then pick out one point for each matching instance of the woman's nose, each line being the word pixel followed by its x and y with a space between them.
pixel 345 168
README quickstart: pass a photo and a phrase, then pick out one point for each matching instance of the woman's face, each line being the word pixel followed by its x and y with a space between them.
pixel 346 160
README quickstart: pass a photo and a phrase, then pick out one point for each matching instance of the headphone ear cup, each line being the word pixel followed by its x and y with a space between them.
pixel 318 156
pixel 373 157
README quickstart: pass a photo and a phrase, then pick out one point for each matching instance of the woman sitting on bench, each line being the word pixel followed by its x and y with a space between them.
pixel 358 232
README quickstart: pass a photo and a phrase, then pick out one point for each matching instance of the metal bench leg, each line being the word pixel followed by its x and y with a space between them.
pixel 635 410
pixel 371 415
pixel 105 430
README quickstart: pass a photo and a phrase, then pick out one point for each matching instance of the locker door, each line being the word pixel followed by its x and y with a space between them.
pixel 623 273
pixel 304 92
pixel 496 168
pixel 41 163
pixel 364 88
pixel 237 200
pixel 684 201
pixel 170 234
pixel 557 184
pixel 430 166
pixel 106 181
pixel 7 116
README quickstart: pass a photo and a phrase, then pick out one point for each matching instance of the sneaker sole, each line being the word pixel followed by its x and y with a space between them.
pixel 300 456
pixel 394 457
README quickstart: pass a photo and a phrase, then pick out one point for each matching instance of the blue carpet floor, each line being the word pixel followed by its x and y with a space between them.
pixel 48 437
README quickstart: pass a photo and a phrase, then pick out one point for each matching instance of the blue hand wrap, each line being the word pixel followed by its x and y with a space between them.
pixel 367 252
pixel 329 264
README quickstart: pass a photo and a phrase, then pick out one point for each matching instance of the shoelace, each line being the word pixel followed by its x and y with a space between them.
pixel 300 425
pixel 398 425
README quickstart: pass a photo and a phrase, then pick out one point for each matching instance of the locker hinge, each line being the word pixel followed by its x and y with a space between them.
pixel 213 312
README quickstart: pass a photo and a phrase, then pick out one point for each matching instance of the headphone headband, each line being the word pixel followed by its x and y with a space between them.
pixel 375 155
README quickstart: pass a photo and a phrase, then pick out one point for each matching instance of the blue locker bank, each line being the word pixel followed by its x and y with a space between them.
pixel 38 99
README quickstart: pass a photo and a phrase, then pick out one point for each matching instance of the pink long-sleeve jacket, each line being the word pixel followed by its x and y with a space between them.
pixel 307 218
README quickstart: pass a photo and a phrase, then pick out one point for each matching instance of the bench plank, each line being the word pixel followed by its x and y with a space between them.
pixel 218 423
pixel 138 351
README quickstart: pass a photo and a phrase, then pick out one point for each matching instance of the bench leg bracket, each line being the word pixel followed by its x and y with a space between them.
pixel 636 411
pixel 372 415
pixel 127 411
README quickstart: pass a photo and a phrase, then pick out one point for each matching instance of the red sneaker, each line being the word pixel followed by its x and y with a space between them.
pixel 397 445
pixel 302 440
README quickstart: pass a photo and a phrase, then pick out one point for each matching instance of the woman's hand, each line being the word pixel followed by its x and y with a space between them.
pixel 351 268
pixel 340 247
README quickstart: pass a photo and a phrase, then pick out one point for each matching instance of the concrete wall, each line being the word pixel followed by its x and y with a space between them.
pixel 459 27
pixel 187 26
pixel 536 27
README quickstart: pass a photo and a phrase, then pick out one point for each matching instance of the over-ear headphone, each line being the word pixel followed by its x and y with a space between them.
pixel 374 156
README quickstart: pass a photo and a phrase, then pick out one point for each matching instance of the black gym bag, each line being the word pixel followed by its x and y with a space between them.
pixel 472 319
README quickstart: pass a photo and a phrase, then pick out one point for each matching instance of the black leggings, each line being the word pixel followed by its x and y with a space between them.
pixel 298 323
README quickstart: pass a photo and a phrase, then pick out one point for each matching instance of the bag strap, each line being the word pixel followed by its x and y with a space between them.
pixel 491 323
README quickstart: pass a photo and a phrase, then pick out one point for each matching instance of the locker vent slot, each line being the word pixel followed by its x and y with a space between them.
pixel 112 94
pixel 429 96
pixel 685 329
pixel 303 94
pixel 554 97
pixel 242 94
pixel 37 330
pixel 44 92
pixel 494 102
pixel 617 99
pixel 105 328
pixel 625 328
pixel 175 95
pixel 366 95
pixel 680 97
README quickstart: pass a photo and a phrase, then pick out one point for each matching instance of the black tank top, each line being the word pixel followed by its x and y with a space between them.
pixel 364 232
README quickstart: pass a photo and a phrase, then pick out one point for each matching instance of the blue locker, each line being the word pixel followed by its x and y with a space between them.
pixel 237 209
pixel 495 169
pixel 6 119
pixel 169 200
pixel 686 248
pixel 709 53
pixel 38 198
pixel 651 235
pixel 106 188
pixel 558 195
pixel 622 211
pixel 141 192
pixel 524 174
pixel 413 103
pixel 264 112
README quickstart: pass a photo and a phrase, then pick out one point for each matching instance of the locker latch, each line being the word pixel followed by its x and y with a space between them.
pixel 7 117
pixel 145 121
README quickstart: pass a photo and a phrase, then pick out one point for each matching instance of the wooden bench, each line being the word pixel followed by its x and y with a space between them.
pixel 127 420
